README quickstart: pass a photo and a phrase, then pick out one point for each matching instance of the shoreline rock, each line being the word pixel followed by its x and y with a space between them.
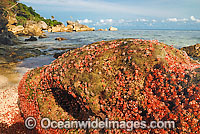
pixel 113 29
pixel 60 38
pixel 193 51
pixel 107 78
pixel 32 38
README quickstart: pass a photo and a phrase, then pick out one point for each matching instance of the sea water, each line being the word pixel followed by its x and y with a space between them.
pixel 177 38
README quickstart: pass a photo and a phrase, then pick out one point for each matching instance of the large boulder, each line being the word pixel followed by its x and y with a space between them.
pixel 43 25
pixel 58 28
pixel 77 27
pixel 123 80
pixel 31 28
pixel 16 29
pixel 32 38
pixel 69 27
pixel 113 29
pixel 12 20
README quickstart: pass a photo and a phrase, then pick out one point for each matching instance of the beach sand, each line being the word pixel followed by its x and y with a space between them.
pixel 10 75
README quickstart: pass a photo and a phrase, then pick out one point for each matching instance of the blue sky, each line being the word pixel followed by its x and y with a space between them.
pixel 124 14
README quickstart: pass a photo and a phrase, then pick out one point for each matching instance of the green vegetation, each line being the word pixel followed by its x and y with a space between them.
pixel 24 13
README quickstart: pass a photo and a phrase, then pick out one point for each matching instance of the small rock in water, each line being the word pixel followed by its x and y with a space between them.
pixel 56 55
pixel 43 36
pixel 32 38
pixel 60 38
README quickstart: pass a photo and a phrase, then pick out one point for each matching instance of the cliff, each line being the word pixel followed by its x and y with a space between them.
pixel 6 37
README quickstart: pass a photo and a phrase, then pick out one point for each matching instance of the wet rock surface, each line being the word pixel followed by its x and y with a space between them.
pixel 60 38
pixel 32 38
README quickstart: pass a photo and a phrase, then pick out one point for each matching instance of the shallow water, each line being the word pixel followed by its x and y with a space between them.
pixel 77 39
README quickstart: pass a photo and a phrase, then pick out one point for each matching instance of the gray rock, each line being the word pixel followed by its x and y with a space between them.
pixel 32 38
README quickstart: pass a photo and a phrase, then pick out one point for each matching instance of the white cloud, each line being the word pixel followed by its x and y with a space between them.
pixel 85 21
pixel 142 20
pixel 194 19
pixel 121 21
pixel 184 19
pixel 154 20
pixel 177 20
pixel 104 22
pixel 173 19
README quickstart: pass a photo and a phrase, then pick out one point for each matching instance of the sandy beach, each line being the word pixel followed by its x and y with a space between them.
pixel 10 75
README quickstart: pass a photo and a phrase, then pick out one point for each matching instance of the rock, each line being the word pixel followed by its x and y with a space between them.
pixel 43 25
pixel 56 29
pixel 50 30
pixel 32 38
pixel 31 28
pixel 60 38
pixel 12 20
pixel 56 55
pixel 108 79
pixel 113 29
pixel 193 51
pixel 42 36
pixel 64 29
pixel 70 22
pixel 77 27
pixel 100 30
pixel 16 29
pixel 70 27
pixel 6 37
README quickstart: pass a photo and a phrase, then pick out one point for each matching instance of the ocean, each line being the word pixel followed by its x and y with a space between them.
pixel 177 38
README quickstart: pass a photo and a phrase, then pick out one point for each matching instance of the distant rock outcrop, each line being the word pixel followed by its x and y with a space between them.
pixel 102 29
pixel 71 26
pixel 113 29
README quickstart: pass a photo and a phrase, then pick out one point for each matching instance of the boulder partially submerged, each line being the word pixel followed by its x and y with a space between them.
pixel 126 79
pixel 60 38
